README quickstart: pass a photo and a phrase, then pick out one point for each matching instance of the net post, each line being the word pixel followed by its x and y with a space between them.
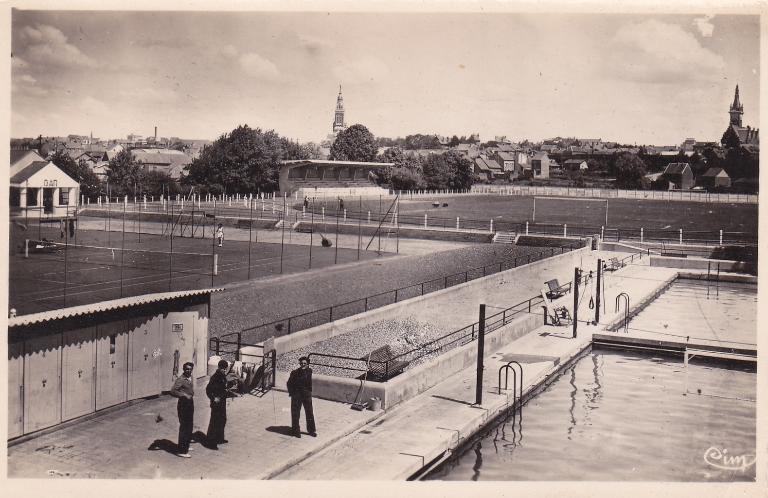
pixel 215 264
pixel 26 248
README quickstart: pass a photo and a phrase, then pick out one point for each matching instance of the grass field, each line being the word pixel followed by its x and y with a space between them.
pixel 478 210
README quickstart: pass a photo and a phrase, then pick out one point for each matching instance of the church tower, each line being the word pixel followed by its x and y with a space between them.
pixel 338 119
pixel 736 109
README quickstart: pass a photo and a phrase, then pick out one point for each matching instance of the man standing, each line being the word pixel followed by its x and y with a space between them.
pixel 217 393
pixel 300 391
pixel 185 391
pixel 220 234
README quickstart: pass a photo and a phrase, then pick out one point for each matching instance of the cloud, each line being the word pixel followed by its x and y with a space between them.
pixel 363 70
pixel 25 78
pixel 48 45
pixel 229 52
pixel 655 52
pixel 313 45
pixel 17 62
pixel 93 107
pixel 149 93
pixel 259 67
pixel 704 25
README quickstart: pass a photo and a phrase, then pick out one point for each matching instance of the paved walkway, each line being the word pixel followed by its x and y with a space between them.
pixel 351 445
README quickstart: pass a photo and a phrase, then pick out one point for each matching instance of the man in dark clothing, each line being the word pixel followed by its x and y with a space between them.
pixel 217 393
pixel 185 391
pixel 300 391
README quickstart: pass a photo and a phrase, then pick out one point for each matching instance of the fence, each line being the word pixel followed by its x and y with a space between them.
pixel 329 314
pixel 664 195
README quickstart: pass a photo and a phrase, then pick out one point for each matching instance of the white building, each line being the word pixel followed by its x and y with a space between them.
pixel 39 189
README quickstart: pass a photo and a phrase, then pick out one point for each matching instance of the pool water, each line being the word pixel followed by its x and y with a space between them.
pixel 619 416
pixel 723 312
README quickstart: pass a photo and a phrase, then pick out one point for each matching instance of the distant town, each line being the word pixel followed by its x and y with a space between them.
pixel 730 165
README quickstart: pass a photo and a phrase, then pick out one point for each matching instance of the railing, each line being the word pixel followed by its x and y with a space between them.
pixel 322 316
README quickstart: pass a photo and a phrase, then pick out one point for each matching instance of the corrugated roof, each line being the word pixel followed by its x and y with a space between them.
pixel 17 155
pixel 493 164
pixel 506 156
pixel 480 162
pixel 323 162
pixel 27 172
pixel 103 306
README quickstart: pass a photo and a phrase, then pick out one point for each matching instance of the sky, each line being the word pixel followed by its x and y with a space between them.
pixel 645 79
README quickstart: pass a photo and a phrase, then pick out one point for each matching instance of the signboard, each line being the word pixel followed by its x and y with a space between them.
pixel 177 327
pixel 50 183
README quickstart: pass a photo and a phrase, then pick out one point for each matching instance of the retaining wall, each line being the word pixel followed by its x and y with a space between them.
pixel 698 264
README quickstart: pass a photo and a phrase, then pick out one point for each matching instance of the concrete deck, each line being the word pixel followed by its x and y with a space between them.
pixel 351 445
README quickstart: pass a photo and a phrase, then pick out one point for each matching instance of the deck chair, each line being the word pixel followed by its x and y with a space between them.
pixel 554 289
pixel 612 264
pixel 556 315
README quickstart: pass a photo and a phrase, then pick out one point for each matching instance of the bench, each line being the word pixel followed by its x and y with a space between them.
pixel 555 289
pixel 380 365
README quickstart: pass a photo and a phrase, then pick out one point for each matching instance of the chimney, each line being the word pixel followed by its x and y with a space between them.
pixel 155 134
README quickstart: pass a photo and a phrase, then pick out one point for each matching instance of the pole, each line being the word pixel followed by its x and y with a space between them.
pixel 534 210
pixel 576 276
pixel 379 229
pixel 311 232
pixel 250 231
pixel 170 256
pixel 359 227
pixel 597 294
pixel 282 237
pixel 66 251
pixel 336 253
pixel 213 246
pixel 122 252
pixel 480 351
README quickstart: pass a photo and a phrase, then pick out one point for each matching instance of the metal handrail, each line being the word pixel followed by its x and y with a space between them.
pixel 626 308
pixel 512 262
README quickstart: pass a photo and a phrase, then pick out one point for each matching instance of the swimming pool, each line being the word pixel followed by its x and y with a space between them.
pixel 722 312
pixel 619 416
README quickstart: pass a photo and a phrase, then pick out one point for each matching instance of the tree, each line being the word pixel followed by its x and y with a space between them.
pixel 447 170
pixel 630 171
pixel 244 160
pixel 90 185
pixel 158 182
pixel 355 143
pixel 125 175
pixel 454 141
pixel 405 179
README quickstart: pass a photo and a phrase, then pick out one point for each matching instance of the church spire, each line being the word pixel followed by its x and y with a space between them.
pixel 737 109
pixel 338 118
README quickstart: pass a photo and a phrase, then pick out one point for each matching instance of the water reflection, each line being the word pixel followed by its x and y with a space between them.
pixel 478 461
pixel 572 408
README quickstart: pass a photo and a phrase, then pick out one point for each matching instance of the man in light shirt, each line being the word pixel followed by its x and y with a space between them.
pixel 184 389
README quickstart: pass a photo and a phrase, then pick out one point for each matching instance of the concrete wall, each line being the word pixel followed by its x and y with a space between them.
pixel 697 264
pixel 407 307
pixel 420 378
pixel 350 227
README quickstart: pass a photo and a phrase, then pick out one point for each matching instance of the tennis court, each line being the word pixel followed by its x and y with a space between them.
pixel 95 265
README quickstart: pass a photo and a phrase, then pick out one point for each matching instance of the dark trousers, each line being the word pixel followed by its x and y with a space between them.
pixel 186 410
pixel 296 403
pixel 218 421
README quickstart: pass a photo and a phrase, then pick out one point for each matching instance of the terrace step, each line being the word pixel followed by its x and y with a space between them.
pixel 504 237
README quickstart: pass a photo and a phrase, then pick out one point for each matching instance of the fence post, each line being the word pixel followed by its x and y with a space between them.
pixel 396 295
pixel 526 228
pixel 641 234
pixel 369 216
pixel 681 236
pixel 721 237
pixel 602 233
pixel 491 229
pixel 457 223
pixel 565 229
pixel 425 220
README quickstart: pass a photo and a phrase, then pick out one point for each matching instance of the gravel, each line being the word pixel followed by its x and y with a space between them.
pixel 400 334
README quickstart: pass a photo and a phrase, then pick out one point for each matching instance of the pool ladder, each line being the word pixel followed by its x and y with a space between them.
pixel 515 386
pixel 625 299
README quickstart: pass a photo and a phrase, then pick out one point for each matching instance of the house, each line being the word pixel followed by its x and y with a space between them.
pixel 714 178
pixel 540 165
pixel 507 162
pixel 168 161
pixel 113 151
pixel 496 169
pixel 575 165
pixel 470 150
pixel 679 175
pixel 41 189
pixel 482 170
pixel 20 159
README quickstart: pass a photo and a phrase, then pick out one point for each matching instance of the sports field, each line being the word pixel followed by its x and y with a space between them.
pixel 97 265
pixel 478 210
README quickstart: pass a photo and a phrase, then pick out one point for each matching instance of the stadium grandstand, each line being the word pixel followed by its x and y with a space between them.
pixel 331 178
